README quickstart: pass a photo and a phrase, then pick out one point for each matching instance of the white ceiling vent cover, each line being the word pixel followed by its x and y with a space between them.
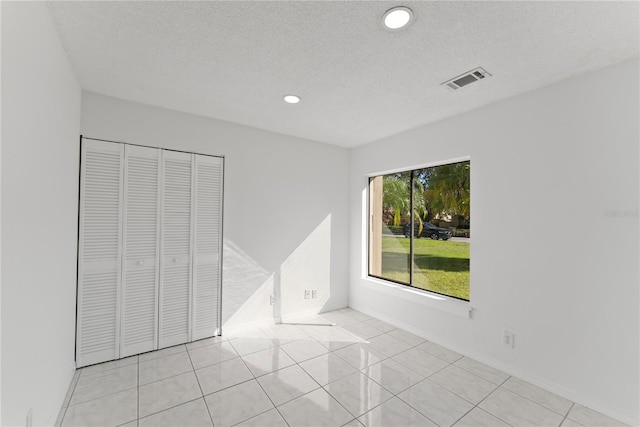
pixel 466 78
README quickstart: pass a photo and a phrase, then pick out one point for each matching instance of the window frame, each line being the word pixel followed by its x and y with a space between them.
pixel 411 254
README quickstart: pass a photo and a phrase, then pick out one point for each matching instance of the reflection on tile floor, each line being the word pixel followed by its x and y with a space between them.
pixel 341 368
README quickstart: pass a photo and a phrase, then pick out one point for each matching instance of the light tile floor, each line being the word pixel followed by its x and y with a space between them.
pixel 342 368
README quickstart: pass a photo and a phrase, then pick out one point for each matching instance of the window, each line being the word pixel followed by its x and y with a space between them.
pixel 419 228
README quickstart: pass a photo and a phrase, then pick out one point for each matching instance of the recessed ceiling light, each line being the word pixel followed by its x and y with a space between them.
pixel 291 99
pixel 397 17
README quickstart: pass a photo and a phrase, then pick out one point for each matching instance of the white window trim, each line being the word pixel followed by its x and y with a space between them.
pixel 439 302
pixel 444 303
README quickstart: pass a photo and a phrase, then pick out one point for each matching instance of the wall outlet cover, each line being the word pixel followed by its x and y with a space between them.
pixel 508 339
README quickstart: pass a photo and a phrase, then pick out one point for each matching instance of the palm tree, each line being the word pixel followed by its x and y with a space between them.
pixel 396 195
pixel 395 190
pixel 448 189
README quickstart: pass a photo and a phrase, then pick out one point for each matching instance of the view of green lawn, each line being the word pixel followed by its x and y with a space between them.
pixel 440 266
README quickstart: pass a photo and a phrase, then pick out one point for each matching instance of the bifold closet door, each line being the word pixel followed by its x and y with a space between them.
pixel 141 237
pixel 99 252
pixel 207 247
pixel 150 250
pixel 176 249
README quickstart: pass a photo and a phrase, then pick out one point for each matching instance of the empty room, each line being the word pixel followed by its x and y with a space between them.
pixel 259 213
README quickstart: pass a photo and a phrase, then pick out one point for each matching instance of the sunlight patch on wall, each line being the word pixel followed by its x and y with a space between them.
pixel 246 289
pixel 300 285
pixel 308 268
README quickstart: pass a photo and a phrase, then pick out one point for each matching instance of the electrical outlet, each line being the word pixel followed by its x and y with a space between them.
pixel 307 294
pixel 271 300
pixel 29 421
pixel 508 339
pixel 314 293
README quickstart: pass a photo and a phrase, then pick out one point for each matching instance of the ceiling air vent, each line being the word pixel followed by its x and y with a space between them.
pixel 466 78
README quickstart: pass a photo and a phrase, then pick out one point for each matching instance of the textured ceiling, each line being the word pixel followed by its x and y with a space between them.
pixel 235 60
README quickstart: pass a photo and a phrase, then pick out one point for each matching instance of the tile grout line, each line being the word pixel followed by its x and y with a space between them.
pixel 540 404
pixel 130 388
pixel 310 376
pixel 73 390
pixel 357 371
pixel 370 409
pixel 479 376
pixel 529 400
pixel 102 395
pixel 402 365
pixel 108 369
pixel 199 386
pixel 170 376
pixel 567 414
pixel 334 398
pixel 482 400
pixel 171 407
pixel 487 396
pixel 416 409
pixel 319 387
pixel 262 388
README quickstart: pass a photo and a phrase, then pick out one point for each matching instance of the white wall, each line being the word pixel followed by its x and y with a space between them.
pixel 40 123
pixel 550 260
pixel 285 205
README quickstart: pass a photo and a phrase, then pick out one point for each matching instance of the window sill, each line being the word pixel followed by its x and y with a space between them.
pixel 439 302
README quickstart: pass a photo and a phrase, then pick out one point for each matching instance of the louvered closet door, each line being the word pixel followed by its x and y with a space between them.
pixel 207 247
pixel 175 267
pixel 99 252
pixel 141 235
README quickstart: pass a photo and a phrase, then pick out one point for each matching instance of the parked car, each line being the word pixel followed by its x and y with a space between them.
pixel 428 230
